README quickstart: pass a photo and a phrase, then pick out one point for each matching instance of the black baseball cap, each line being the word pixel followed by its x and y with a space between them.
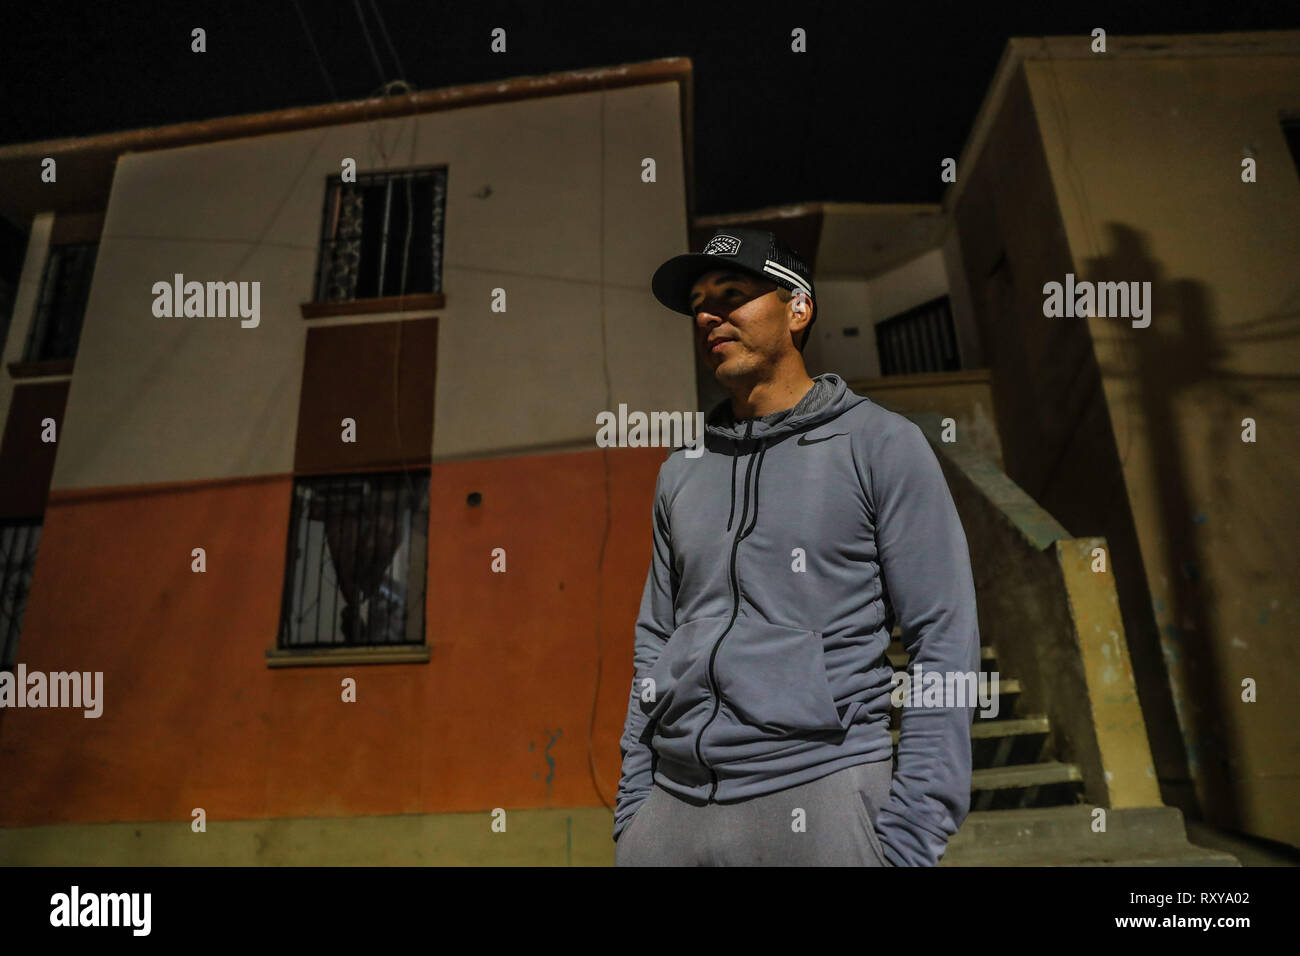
pixel 755 251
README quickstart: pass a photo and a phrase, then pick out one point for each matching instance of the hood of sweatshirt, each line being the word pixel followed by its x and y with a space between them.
pixel 829 398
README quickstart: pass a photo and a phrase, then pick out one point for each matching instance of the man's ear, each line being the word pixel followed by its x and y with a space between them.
pixel 802 310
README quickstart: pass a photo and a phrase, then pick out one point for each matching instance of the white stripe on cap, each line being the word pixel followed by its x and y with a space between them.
pixel 776 269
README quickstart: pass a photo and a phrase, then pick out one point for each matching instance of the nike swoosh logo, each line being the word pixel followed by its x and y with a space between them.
pixel 805 440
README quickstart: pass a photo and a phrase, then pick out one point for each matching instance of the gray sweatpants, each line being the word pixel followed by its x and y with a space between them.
pixel 837 826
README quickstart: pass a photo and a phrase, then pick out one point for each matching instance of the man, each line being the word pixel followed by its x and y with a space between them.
pixel 758 723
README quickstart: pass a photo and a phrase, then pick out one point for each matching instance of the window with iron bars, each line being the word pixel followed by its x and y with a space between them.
pixel 382 235
pixel 65 286
pixel 355 573
pixel 18 543
pixel 919 340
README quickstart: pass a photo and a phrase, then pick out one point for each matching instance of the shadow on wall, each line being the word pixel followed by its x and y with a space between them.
pixel 1178 362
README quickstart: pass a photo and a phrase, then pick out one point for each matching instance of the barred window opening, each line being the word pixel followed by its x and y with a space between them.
pixel 382 235
pixel 355 574
pixel 61 307
pixel 919 340
pixel 19 541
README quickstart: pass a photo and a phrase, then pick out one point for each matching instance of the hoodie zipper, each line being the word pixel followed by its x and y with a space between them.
pixel 741 533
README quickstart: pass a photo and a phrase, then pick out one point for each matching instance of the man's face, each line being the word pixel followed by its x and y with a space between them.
pixel 741 325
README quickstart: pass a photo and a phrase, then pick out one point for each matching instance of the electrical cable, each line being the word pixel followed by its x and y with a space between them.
pixel 604 457
pixel 397 353
pixel 379 17
pixel 315 52
pixel 365 30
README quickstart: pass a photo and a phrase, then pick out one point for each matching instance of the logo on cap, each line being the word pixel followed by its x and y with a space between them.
pixel 721 245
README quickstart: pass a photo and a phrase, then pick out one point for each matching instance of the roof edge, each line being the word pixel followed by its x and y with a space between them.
pixel 193 132
pixel 1152 46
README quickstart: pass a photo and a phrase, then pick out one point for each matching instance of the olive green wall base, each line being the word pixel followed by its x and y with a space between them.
pixel 560 837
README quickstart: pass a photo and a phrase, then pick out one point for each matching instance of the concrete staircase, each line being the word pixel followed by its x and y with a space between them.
pixel 1063 836
pixel 1027 806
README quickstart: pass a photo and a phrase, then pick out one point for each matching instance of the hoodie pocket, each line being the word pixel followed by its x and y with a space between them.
pixel 774 678
pixel 681 685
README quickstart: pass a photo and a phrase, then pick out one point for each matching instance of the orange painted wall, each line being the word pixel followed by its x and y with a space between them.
pixel 193 717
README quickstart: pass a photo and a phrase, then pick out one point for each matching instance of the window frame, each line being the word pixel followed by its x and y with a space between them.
pixel 9 641
pixel 415 519
pixel 37 334
pixel 320 305
pixel 900 333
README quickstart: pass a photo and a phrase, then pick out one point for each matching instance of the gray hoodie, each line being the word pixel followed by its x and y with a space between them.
pixel 782 558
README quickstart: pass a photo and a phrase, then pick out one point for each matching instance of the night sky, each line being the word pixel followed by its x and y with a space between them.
pixel 884 92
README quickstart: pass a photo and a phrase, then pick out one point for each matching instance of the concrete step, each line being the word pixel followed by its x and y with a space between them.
pixel 1064 836
pixel 1007 687
pixel 1192 856
pixel 1025 775
pixel 1011 727
pixel 898 656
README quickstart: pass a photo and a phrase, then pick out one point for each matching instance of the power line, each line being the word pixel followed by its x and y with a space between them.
pixel 365 30
pixel 268 75
pixel 315 52
pixel 401 70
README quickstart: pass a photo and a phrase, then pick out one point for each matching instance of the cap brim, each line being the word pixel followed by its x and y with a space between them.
pixel 673 280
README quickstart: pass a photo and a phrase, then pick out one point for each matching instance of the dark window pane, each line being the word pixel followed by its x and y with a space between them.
pixel 65 287
pixel 18 543
pixel 372 241
pixel 397 220
pixel 419 269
